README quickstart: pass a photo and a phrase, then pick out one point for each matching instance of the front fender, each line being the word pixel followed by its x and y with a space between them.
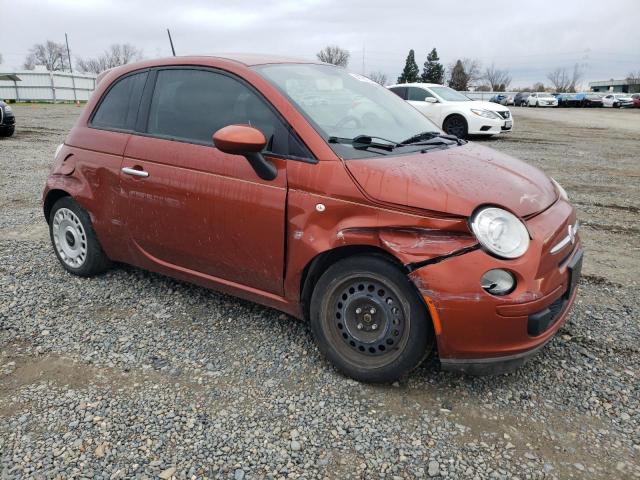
pixel 319 224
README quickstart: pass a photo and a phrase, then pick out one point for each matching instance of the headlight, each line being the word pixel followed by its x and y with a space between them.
pixel 561 191
pixel 500 232
pixel 7 109
pixel 485 113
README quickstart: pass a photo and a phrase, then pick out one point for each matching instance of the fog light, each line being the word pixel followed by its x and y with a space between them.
pixel 498 282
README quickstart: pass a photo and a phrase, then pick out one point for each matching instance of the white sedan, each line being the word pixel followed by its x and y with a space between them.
pixel 542 99
pixel 617 100
pixel 454 112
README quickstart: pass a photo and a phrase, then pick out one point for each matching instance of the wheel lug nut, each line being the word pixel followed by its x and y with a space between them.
pixel 360 326
pixel 374 326
pixel 372 311
pixel 358 310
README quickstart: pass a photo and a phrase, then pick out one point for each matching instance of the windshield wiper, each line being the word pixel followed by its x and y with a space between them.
pixel 362 142
pixel 433 138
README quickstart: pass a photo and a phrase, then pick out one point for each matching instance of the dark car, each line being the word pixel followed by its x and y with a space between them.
pixel 520 99
pixel 589 99
pixel 569 100
pixel 7 120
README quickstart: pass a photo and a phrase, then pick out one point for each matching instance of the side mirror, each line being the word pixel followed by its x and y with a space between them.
pixel 430 100
pixel 249 142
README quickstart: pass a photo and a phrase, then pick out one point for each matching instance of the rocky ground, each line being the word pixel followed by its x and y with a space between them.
pixel 131 374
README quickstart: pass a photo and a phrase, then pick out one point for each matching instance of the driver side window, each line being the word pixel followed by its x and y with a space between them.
pixel 191 105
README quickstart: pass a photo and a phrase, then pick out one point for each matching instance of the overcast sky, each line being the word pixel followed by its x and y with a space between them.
pixel 530 41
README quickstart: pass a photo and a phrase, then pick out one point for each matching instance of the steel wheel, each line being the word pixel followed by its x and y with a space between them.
pixel 69 238
pixel 368 322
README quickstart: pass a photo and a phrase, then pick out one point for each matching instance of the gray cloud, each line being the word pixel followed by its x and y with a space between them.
pixel 528 40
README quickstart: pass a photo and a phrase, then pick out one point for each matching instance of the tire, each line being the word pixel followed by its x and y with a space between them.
pixel 74 241
pixel 8 132
pixel 456 125
pixel 368 320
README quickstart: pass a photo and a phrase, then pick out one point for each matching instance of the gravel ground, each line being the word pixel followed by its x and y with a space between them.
pixel 131 374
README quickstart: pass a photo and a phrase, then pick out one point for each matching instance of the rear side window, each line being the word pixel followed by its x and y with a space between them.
pixel 191 105
pixel 118 109
pixel 400 91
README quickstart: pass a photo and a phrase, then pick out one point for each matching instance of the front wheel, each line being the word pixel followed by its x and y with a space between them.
pixel 368 320
pixel 456 125
pixel 74 241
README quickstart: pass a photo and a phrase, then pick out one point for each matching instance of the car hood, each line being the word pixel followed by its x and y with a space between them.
pixel 455 181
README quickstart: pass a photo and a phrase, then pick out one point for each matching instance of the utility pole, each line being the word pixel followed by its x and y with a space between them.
pixel 73 79
pixel 171 42
pixel 66 39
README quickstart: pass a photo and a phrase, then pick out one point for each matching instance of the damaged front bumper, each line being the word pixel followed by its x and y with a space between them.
pixel 479 333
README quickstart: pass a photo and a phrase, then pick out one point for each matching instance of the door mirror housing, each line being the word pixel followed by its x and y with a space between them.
pixel 430 100
pixel 249 142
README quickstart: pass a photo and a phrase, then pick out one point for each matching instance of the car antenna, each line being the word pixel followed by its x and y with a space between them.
pixel 173 50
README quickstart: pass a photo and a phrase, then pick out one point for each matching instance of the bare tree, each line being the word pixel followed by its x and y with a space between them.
pixel 335 55
pixel 114 56
pixel 563 81
pixel 576 77
pixel 472 68
pixel 559 78
pixel 537 87
pixel 50 54
pixel 498 80
pixel 378 77
pixel 633 78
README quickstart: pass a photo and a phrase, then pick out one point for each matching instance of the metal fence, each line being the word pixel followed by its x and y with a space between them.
pixel 45 86
pixel 486 95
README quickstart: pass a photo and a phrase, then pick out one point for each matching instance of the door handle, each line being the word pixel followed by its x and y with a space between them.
pixel 135 172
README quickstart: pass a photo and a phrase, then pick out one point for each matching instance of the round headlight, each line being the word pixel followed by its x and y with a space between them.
pixel 500 232
pixel 7 109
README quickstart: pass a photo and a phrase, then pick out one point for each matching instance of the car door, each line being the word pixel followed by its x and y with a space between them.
pixel 95 152
pixel 189 207
pixel 417 97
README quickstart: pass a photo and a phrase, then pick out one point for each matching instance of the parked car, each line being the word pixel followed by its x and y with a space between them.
pixel 589 99
pixel 520 99
pixel 388 235
pixel 502 99
pixel 7 120
pixel 617 100
pixel 542 99
pixel 636 100
pixel 454 112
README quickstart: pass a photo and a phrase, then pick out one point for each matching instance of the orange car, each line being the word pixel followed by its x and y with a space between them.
pixel 317 192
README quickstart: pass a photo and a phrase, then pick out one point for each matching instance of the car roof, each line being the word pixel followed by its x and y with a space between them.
pixel 416 84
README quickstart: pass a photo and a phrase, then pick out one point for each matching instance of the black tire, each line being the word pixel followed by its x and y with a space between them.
pixel 8 132
pixel 75 236
pixel 368 320
pixel 456 125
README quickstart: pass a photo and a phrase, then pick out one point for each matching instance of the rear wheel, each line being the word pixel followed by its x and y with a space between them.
pixel 74 241
pixel 369 321
pixel 456 125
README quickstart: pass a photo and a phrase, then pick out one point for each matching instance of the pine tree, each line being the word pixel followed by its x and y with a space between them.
pixel 411 72
pixel 458 79
pixel 433 71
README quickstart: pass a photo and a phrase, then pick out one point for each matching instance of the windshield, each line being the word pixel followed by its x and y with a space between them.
pixel 346 105
pixel 449 94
